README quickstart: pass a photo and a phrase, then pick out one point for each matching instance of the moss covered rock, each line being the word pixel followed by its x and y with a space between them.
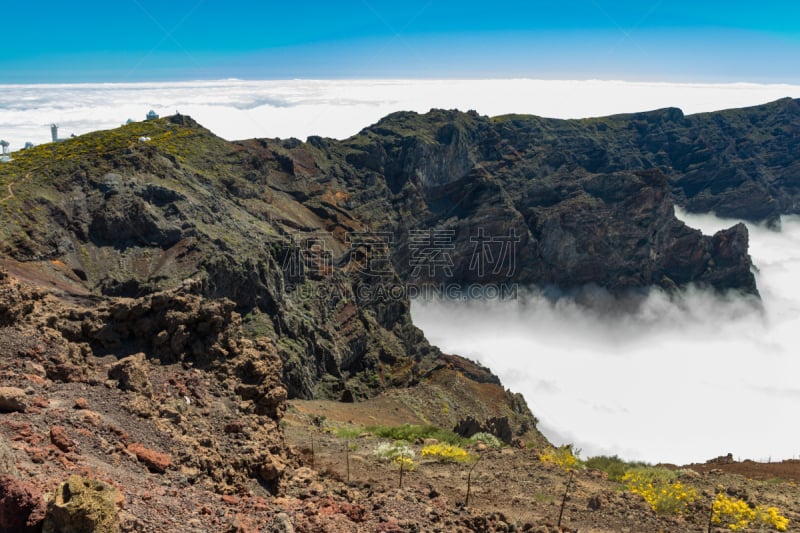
pixel 81 505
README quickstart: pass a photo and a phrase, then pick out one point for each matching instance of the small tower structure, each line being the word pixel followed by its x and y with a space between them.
pixel 5 158
pixel 54 132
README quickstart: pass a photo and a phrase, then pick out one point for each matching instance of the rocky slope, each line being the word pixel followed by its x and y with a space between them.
pixel 184 435
pixel 109 216
pixel 161 299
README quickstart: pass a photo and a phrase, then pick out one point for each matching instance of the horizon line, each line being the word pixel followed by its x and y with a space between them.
pixel 408 79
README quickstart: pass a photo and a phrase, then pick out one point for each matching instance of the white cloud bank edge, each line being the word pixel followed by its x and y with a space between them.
pixel 236 109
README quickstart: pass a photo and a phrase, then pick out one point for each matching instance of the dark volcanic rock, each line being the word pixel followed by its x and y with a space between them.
pixel 497 426
pixel 514 211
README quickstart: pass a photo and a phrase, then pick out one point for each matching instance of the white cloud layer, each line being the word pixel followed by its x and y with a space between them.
pixel 236 109
pixel 678 381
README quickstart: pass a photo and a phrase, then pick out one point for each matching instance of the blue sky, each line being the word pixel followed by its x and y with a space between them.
pixel 147 40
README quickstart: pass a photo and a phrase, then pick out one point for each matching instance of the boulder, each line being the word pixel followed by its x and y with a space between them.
pixel 132 374
pixel 82 505
pixel 59 439
pixel 271 469
pixel 12 399
pixel 156 462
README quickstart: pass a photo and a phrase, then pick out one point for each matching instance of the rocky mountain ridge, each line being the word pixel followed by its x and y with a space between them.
pixel 209 281
pixel 572 224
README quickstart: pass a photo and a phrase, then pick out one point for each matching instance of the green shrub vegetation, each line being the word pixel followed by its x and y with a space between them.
pixel 612 465
pixel 410 433
pixel 348 433
pixel 486 438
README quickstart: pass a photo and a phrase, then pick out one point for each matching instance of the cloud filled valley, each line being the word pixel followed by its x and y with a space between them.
pixel 679 379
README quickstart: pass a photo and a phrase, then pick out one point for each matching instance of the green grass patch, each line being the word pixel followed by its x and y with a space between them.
pixel 613 466
pixel 348 432
pixel 410 433
pixel 654 473
pixel 543 497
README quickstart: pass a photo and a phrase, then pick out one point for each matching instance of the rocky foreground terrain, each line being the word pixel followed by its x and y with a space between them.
pixel 164 301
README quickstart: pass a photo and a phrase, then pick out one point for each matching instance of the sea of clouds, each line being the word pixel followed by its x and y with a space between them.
pixel 679 379
pixel 236 109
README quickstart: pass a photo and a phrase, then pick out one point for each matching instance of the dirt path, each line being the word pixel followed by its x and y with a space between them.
pixel 10 194
pixel 11 190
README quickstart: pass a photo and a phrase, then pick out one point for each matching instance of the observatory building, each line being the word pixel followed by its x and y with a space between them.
pixel 54 133
pixel 4 158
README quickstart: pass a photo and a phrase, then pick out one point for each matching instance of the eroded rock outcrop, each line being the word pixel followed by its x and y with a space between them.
pixel 181 330
pixel 12 399
pixel 80 505
pixel 131 373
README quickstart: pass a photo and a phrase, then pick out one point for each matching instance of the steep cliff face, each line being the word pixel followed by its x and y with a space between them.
pixel 737 163
pixel 533 201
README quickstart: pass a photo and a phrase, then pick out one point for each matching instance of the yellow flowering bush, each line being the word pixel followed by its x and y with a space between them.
pixel 663 496
pixel 736 514
pixel 561 456
pixel 772 517
pixel 446 453
pixel 406 463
